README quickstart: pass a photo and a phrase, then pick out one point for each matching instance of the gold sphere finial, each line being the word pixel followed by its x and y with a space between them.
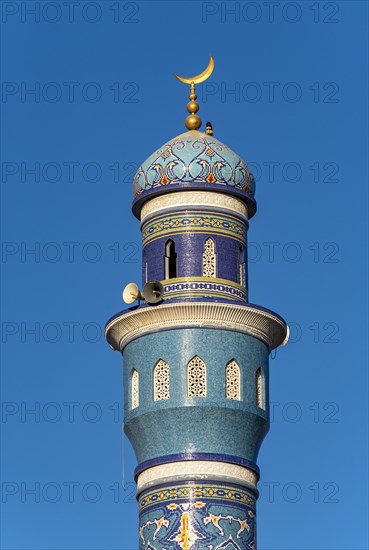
pixel 193 121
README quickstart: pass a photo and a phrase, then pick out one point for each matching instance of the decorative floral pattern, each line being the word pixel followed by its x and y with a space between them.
pixel 194 157
pixel 197 516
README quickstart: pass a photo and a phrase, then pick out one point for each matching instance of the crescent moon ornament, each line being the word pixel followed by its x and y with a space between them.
pixel 200 77
pixel 193 121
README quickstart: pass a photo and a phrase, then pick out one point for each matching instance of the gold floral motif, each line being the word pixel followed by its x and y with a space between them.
pixel 186 536
pixel 211 518
pixel 162 522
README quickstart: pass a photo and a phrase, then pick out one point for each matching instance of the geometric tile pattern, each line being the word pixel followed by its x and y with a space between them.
pixel 209 259
pixel 161 381
pixel 201 287
pixel 259 389
pixel 212 223
pixel 233 381
pixel 215 491
pixel 134 389
pixel 196 378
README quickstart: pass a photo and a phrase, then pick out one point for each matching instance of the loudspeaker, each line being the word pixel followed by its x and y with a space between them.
pixel 131 293
pixel 153 292
pixel 287 337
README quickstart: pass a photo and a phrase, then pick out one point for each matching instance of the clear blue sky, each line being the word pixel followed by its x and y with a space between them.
pixel 105 98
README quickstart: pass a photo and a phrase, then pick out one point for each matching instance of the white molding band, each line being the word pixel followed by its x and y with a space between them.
pixel 129 325
pixel 196 469
pixel 193 199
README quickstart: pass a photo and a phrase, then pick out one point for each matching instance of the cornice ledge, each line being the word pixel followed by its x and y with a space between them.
pixel 251 319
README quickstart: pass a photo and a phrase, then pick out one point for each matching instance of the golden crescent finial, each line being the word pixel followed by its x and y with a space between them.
pixel 193 121
pixel 200 77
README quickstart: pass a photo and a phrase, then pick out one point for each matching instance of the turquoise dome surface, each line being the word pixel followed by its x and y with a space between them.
pixel 194 159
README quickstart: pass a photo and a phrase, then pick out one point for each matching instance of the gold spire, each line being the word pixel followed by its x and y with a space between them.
pixel 193 121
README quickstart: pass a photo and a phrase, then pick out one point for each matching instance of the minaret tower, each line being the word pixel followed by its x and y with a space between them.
pixel 195 351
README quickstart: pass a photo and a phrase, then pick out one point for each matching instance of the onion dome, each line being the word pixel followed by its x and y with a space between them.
pixel 194 160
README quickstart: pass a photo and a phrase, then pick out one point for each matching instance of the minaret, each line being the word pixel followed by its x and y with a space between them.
pixel 195 351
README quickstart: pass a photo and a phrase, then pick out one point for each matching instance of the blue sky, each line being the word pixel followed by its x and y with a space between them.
pixel 104 97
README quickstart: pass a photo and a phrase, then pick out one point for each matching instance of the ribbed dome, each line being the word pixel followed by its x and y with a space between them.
pixel 194 160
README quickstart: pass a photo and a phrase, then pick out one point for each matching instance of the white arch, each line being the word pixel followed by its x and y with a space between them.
pixel 260 401
pixel 161 381
pixel 233 381
pixel 134 389
pixel 196 377
pixel 209 262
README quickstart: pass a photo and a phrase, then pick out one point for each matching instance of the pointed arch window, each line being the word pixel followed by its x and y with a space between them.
pixel 161 381
pixel 170 260
pixel 209 267
pixel 233 381
pixel 196 377
pixel 260 402
pixel 134 389
pixel 144 267
pixel 241 266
